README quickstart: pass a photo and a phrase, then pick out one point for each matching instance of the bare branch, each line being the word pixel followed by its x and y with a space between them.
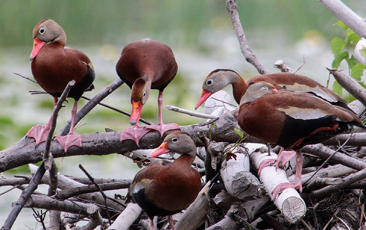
pixel 333 188
pixel 190 113
pixel 232 8
pixel 41 170
pixel 350 84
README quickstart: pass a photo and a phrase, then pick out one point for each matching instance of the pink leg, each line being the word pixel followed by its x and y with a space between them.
pixel 265 163
pixel 71 138
pixel 297 182
pixel 40 132
pixel 284 157
pixel 160 126
pixel 152 225
pixel 134 133
pixel 171 222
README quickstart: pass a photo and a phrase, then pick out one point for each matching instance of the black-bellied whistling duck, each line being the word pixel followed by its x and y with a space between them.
pixel 146 64
pixel 292 120
pixel 220 78
pixel 53 66
pixel 162 188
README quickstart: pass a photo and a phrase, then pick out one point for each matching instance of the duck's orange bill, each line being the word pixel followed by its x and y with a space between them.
pixel 136 112
pixel 275 90
pixel 37 46
pixel 204 95
pixel 162 149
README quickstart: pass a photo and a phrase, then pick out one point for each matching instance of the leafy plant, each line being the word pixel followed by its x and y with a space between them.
pixel 340 48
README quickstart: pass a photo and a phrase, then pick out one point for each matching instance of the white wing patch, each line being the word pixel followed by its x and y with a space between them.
pixel 303 114
pixel 318 91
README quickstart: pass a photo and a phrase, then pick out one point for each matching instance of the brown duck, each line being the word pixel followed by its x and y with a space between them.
pixel 53 66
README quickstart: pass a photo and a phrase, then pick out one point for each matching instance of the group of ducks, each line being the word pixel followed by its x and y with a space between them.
pixel 285 109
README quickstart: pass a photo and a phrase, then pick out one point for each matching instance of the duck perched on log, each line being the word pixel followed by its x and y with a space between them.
pixel 146 64
pixel 53 66
pixel 220 78
pixel 292 120
pixel 162 188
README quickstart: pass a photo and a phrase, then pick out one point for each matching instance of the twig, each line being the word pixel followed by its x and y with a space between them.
pixel 321 166
pixel 280 64
pixel 232 8
pixel 190 113
pixel 343 159
pixel 91 104
pixel 65 183
pixel 40 216
pixel 333 188
pixel 67 193
pixel 117 110
pixel 54 117
pixel 349 84
pixel 41 170
pixel 100 190
pixel 36 92
pixel 27 78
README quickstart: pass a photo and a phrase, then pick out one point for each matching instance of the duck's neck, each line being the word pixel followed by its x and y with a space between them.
pixel 185 160
pixel 238 84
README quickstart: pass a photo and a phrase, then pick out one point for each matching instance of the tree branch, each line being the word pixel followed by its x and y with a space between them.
pixel 232 8
pixel 25 151
pixel 349 84
pixel 346 15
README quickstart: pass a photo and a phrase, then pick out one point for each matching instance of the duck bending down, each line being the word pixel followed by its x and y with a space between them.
pixel 164 188
pixel 220 78
pixel 53 66
pixel 292 120
pixel 144 65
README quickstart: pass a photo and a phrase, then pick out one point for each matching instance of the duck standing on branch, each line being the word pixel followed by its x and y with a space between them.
pixel 146 64
pixel 220 78
pixel 292 120
pixel 53 66
pixel 165 188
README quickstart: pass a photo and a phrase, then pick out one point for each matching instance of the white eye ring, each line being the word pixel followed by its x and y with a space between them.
pixel 174 139
pixel 41 30
pixel 209 82
pixel 264 88
pixel 144 94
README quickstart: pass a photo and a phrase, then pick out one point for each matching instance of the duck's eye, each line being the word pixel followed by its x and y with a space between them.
pixel 174 139
pixel 264 88
pixel 41 30
pixel 144 94
pixel 209 82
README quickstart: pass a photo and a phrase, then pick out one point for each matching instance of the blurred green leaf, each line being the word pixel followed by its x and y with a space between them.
pixel 337 45
pixel 239 132
pixel 337 88
pixel 339 58
pixel 352 37
pixel 342 25
pixel 357 71
pixel 351 62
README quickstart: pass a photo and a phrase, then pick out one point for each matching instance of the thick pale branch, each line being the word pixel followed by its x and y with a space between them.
pixel 25 151
pixel 346 15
